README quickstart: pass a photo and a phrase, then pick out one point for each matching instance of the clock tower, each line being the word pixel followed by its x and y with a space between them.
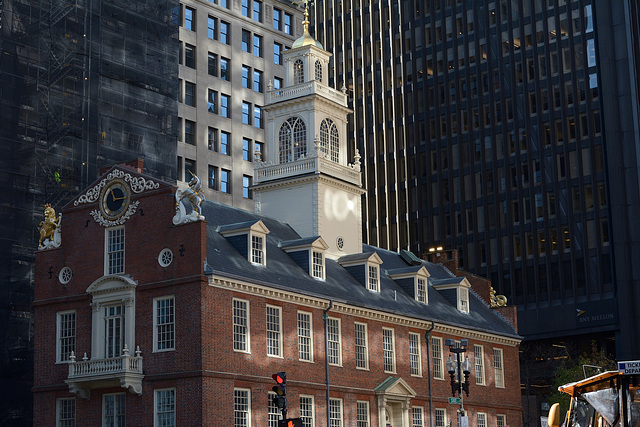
pixel 306 179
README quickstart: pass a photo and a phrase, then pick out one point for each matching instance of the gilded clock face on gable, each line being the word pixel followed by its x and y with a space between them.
pixel 114 199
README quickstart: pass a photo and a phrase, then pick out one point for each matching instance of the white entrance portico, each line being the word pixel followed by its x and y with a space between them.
pixel 394 401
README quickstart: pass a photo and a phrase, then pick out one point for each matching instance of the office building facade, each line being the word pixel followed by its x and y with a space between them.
pixel 506 130
pixel 231 55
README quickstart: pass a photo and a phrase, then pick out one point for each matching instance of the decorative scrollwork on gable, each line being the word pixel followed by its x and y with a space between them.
pixel 138 184
pixel 97 216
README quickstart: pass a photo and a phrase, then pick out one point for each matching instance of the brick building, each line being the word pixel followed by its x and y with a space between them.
pixel 152 314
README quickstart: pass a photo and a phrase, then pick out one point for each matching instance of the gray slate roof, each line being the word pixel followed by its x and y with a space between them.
pixel 282 272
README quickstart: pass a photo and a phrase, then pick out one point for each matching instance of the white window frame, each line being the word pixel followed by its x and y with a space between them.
pixel 307 410
pixel 273 412
pixel 317 264
pixel 273 330
pixel 478 361
pixel 463 299
pixel 414 410
pixel 257 255
pixel 109 291
pixel 64 419
pixel 108 253
pixel 421 290
pixel 440 412
pixel 246 332
pixel 156 402
pixel 305 335
pixel 389 349
pixel 415 354
pixel 60 357
pixel 115 396
pixel 498 366
pixel 339 421
pixel 373 277
pixel 170 326
pixel 437 358
pixel 337 343
pixel 365 346
pixel 362 408
pixel 246 411
pixel 501 420
pixel 482 419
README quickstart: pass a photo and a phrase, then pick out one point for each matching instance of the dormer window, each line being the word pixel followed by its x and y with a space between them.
pixel 421 290
pixel 308 253
pixel 412 279
pixel 318 264
pixel 249 238
pixel 373 279
pixel 298 72
pixel 463 300
pixel 257 250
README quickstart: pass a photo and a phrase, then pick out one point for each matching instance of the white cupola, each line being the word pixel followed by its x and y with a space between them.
pixel 305 178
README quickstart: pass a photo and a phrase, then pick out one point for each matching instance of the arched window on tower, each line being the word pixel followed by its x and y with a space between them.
pixel 329 140
pixel 319 70
pixel 293 140
pixel 298 72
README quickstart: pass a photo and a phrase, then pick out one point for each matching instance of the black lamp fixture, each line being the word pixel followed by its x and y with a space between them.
pixel 458 367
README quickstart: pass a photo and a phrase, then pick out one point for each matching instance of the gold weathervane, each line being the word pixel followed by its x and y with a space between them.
pixel 497 300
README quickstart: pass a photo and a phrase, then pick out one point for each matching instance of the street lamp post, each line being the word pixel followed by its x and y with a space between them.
pixel 456 369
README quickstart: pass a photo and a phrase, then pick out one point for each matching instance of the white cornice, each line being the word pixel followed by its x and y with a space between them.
pixel 319 177
pixel 351 310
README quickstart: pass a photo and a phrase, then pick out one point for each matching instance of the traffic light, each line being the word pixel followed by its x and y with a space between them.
pixel 291 422
pixel 280 399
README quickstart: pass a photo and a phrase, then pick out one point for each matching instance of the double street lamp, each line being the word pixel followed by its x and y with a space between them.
pixel 458 367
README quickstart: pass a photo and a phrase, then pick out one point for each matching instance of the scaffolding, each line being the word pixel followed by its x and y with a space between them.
pixel 83 85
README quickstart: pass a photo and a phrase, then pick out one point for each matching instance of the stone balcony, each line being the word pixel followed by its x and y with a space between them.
pixel 123 371
pixel 314 163
pixel 303 89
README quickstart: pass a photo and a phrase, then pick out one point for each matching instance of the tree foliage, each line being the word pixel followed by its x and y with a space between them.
pixel 572 370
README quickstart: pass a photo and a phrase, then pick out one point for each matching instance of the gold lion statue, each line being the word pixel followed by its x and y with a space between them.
pixel 49 226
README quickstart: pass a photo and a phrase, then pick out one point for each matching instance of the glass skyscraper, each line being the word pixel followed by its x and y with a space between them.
pixel 508 131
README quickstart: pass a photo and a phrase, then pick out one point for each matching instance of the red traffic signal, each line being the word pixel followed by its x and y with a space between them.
pixel 280 377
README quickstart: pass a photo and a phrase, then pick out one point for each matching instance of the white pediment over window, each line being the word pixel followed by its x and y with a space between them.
pixel 395 386
pixel 112 283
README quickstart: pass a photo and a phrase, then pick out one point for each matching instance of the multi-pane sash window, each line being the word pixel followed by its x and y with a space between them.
pixel 362 414
pixel 257 116
pixel 441 417
pixel 305 350
pixel 334 354
pixel 189 19
pixel 225 140
pixel 246 113
pixel 190 94
pixel 246 186
pixel 246 71
pixel 478 356
pixel 246 39
pixel 482 419
pixel 257 249
pixel 436 356
pixel 287 23
pixel 165 407
pixel 274 331
pixel 225 30
pixel 388 346
pixel 240 325
pixel 257 10
pixel 164 323
pixel 115 250
pixel 418 417
pixel 277 53
pixel 190 56
pixel 66 412
pixel 212 64
pixel 241 408
pixel 498 367
pixel 372 283
pixel 212 101
pixel 421 290
pixel 225 101
pixel 501 420
pixel 113 410
pixel 307 411
pixel 318 265
pixel 245 8
pixel 225 184
pixel 66 335
pixel 211 28
pixel 257 80
pixel 114 330
pixel 273 410
pixel 225 69
pixel 362 353
pixel 212 173
pixel 414 354
pixel 257 45
pixel 335 413
pixel 277 19
pixel 246 149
